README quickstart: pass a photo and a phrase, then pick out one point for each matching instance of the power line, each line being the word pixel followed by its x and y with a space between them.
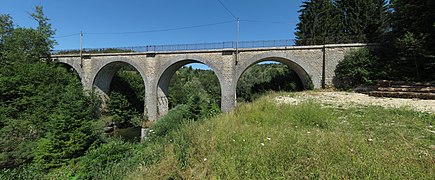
pixel 272 22
pixel 227 9
pixel 162 30
pixel 64 36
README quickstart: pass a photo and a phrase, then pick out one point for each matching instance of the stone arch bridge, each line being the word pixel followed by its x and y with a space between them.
pixel 314 65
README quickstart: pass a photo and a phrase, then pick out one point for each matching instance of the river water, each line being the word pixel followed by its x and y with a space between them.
pixel 131 134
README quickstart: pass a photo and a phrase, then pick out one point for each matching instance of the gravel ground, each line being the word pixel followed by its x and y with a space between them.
pixel 346 99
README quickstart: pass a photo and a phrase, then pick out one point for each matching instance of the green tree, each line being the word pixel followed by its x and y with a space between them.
pixel 365 20
pixel 6 28
pixel 411 51
pixel 69 131
pixel 45 33
pixel 318 19
pixel 261 78
pixel 44 114
pixel 358 67
pixel 128 82
pixel 121 109
pixel 413 33
pixel 341 21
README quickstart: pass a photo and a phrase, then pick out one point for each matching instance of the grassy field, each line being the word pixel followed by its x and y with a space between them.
pixel 262 140
pixel 266 140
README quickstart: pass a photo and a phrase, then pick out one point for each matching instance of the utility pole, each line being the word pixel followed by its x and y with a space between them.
pixel 81 49
pixel 237 40
pixel 324 65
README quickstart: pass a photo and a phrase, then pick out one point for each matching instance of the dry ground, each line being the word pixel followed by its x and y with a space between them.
pixel 346 99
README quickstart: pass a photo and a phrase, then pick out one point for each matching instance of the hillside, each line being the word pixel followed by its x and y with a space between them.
pixel 300 135
pixel 266 139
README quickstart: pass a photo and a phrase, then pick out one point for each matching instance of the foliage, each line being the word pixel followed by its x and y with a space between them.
pixel 265 140
pixel 365 19
pixel 45 33
pixel 411 54
pixel 41 101
pixel 412 35
pixel 120 108
pixel 261 78
pixel 356 68
pixel 99 162
pixel 341 21
pixel 173 120
pixel 43 110
pixel 128 82
pixel 188 82
pixel 318 19
pixel 6 29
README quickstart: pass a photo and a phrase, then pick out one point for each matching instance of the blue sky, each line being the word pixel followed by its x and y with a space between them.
pixel 275 19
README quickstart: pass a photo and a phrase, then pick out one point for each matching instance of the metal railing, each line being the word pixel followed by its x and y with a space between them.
pixel 218 45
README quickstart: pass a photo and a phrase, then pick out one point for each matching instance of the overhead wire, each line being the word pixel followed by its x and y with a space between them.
pixel 223 5
pixel 64 36
pixel 159 30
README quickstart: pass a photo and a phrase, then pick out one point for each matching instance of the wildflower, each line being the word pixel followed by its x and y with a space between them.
pixel 234 140
pixel 370 140
pixel 205 159
pixel 308 132
pixel 262 144
pixel 268 138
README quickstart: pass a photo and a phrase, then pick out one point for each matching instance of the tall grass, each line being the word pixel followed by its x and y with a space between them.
pixel 263 140
pixel 266 140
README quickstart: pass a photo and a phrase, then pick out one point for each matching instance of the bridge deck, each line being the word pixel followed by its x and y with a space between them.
pixel 143 50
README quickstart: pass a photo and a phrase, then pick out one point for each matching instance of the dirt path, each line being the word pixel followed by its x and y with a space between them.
pixel 343 99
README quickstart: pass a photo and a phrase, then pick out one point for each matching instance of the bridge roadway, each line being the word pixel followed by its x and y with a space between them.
pixel 314 65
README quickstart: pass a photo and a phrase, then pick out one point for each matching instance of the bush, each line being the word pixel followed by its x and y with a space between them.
pixel 122 111
pixel 356 68
pixel 170 121
pixel 99 162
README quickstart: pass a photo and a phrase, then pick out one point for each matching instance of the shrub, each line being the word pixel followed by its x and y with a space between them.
pixel 356 68
pixel 99 162
pixel 119 107
pixel 170 121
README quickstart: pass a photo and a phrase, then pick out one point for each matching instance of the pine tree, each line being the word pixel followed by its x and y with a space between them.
pixel 363 20
pixel 413 35
pixel 318 20
pixel 341 21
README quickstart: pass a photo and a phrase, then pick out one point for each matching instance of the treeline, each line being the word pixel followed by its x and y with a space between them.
pixel 45 117
pixel 403 29
pixel 342 21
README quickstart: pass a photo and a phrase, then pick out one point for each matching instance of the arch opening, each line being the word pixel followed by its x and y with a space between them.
pixel 270 74
pixel 69 68
pixel 191 83
pixel 122 89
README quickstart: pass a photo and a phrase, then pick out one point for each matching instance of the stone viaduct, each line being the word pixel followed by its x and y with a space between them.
pixel 314 65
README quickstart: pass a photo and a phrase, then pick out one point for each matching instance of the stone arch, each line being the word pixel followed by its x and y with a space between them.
pixel 306 72
pixel 168 70
pixel 73 67
pixel 106 69
pixel 102 78
pixel 75 64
